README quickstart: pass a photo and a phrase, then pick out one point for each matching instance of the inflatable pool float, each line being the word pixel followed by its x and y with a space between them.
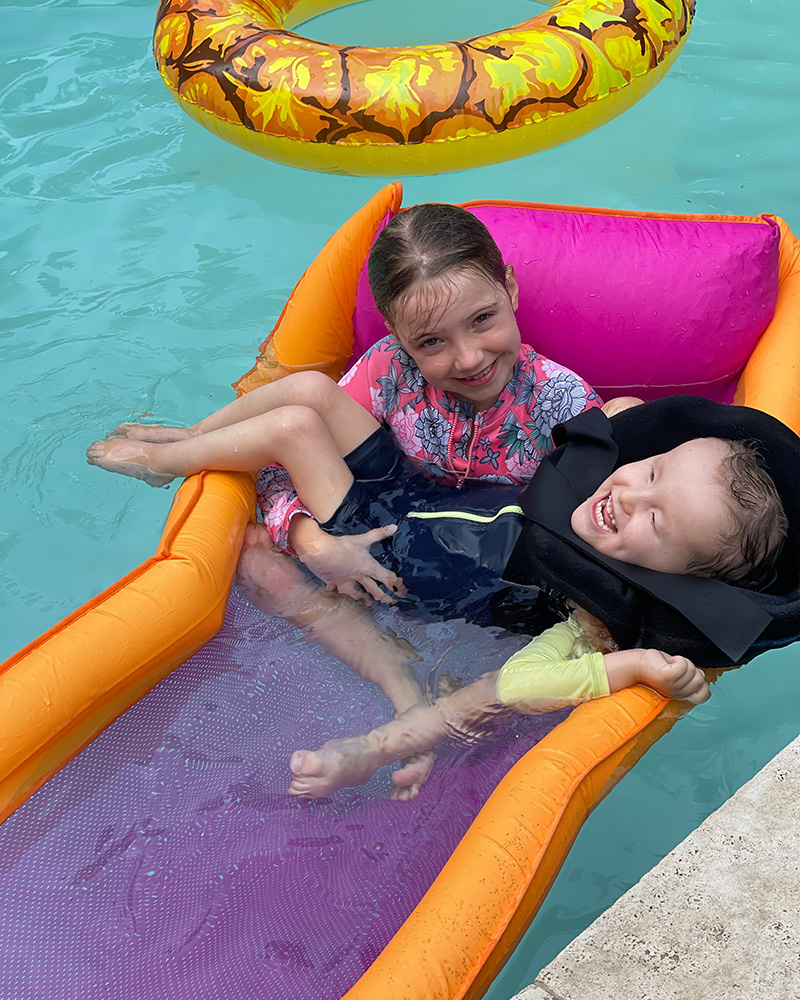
pixel 705 303
pixel 236 68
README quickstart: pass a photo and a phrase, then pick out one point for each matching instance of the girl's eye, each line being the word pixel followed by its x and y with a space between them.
pixel 430 342
pixel 482 318
pixel 652 478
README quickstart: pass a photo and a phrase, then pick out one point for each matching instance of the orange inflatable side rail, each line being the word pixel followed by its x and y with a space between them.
pixel 59 692
pixel 771 378
pixel 315 328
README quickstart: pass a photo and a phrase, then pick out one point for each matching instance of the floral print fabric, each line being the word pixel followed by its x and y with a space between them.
pixel 443 437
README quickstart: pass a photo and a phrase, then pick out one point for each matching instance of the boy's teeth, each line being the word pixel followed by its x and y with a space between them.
pixel 605 516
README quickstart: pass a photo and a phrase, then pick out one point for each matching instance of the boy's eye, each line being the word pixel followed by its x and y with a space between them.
pixel 652 477
pixel 483 317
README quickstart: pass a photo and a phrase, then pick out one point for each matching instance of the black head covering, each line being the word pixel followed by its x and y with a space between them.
pixel 714 623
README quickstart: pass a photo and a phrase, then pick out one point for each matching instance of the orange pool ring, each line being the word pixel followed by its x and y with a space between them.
pixel 234 66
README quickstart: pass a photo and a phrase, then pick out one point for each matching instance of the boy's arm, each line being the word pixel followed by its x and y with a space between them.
pixel 546 674
pixel 421 727
pixel 673 676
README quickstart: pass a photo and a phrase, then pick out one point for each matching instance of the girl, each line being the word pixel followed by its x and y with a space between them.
pixel 461 395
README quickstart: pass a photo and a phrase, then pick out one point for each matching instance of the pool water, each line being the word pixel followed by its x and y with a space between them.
pixel 143 260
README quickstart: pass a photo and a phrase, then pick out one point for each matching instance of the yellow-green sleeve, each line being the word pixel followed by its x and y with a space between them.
pixel 559 668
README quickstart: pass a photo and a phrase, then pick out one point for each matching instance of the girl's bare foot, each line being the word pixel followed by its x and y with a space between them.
pixel 128 458
pixel 154 433
pixel 337 764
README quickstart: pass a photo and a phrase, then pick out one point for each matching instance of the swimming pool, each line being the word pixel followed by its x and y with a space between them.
pixel 144 260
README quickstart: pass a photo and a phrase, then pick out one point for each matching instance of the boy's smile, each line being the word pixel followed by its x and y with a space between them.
pixel 663 513
pixel 461 331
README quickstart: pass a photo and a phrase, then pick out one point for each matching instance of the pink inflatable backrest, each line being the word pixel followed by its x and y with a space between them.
pixel 637 306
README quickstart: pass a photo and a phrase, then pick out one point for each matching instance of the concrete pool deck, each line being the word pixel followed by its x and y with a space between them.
pixel 718 918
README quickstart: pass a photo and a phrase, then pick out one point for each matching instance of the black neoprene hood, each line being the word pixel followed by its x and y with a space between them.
pixel 713 623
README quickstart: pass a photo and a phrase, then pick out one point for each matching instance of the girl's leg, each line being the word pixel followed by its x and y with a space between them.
pixel 295 437
pixel 348 421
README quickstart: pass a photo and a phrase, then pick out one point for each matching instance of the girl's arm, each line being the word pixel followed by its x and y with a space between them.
pixel 619 404
pixel 343 562
pixel 277 497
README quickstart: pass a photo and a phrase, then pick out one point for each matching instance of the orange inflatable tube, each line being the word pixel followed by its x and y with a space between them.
pixel 64 688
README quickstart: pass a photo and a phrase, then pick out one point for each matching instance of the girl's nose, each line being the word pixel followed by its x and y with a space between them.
pixel 469 360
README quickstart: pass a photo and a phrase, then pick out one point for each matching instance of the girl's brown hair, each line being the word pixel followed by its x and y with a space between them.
pixel 426 241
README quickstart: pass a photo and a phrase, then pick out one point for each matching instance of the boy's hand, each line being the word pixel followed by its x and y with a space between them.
pixel 593 629
pixel 673 676
pixel 344 563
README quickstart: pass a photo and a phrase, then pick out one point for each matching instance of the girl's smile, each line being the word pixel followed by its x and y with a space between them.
pixel 482 378
pixel 461 331
pixel 663 513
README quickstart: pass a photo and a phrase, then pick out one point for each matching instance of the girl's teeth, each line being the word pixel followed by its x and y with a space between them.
pixel 479 375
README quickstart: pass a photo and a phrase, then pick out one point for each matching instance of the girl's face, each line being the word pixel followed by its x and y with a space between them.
pixel 662 513
pixel 461 331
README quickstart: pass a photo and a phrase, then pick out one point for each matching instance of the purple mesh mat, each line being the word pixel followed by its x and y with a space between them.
pixel 166 861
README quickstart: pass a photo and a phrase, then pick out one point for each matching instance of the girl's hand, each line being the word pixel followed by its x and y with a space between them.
pixel 344 564
pixel 673 676
pixel 614 406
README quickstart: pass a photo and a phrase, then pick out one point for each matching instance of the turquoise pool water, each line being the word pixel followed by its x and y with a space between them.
pixel 143 261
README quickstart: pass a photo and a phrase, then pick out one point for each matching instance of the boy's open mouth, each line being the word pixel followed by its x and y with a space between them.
pixel 604 515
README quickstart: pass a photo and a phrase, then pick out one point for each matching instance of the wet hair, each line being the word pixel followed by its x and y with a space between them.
pixel 746 555
pixel 427 241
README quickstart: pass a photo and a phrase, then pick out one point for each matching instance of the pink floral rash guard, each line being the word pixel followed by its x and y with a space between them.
pixel 445 438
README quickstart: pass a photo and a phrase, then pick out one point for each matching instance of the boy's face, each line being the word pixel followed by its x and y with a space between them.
pixel 661 513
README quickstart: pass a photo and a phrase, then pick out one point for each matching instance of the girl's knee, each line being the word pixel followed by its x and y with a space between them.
pixel 313 389
pixel 295 424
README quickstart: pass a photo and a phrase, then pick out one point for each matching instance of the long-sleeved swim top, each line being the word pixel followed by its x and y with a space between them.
pixel 443 437
pixel 558 668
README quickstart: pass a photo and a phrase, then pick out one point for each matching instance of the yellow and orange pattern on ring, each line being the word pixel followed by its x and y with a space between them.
pixel 234 66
